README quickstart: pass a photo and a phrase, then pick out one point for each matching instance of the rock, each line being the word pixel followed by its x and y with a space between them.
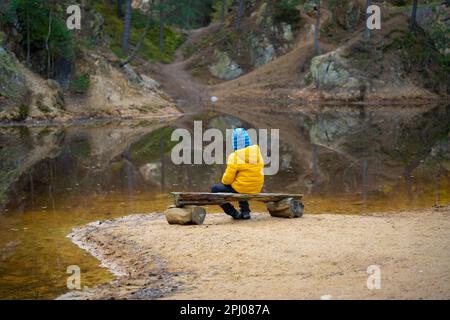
pixel 425 17
pixel 12 81
pixel 224 68
pixel 13 87
pixel 150 83
pixel 141 80
pixel 288 35
pixel 333 72
pixel 132 75
pixel 262 51
pixel 327 72
pixel 328 128
pixel 436 23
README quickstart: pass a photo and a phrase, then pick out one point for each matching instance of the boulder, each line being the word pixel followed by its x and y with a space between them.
pixel 224 68
pixel 13 87
pixel 140 79
pixel 332 72
pixel 288 35
pixel 262 51
pixel 436 23
pixel 12 81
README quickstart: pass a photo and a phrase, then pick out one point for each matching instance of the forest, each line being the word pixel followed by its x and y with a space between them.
pixel 221 41
pixel 97 96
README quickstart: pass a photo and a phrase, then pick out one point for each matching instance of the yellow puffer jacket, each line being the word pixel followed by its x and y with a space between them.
pixel 245 170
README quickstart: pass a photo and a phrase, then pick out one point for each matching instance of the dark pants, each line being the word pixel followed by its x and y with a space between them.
pixel 228 207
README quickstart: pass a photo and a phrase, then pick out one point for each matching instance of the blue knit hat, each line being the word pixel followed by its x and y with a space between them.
pixel 241 139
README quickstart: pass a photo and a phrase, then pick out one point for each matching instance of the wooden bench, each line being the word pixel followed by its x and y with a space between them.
pixel 187 208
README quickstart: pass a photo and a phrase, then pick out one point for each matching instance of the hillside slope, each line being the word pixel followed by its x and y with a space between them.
pixel 81 78
pixel 394 64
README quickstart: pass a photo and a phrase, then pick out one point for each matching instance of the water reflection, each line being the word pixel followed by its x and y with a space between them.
pixel 344 159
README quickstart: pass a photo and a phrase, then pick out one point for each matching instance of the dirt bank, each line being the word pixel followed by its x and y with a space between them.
pixel 269 258
pixel 176 80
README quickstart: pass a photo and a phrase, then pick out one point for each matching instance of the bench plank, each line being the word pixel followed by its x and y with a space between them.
pixel 203 198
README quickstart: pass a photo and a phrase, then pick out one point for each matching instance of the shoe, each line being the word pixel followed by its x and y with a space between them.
pixel 235 215
pixel 245 215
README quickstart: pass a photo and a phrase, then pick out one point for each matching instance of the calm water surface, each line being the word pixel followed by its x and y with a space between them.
pixel 353 160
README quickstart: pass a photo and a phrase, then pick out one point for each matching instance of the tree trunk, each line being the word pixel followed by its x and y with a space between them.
pixel 240 13
pixel 47 44
pixel 127 26
pixel 317 29
pixel 161 26
pixel 222 12
pixel 367 30
pixel 189 215
pixel 413 15
pixel 141 40
pixel 119 8
pixel 28 37
pixel 286 208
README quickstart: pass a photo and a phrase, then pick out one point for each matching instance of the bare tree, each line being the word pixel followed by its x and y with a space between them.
pixel 222 12
pixel 161 25
pixel 317 29
pixel 127 26
pixel 240 13
pixel 414 14
pixel 367 30
pixel 47 43
pixel 119 8
pixel 141 40
pixel 28 36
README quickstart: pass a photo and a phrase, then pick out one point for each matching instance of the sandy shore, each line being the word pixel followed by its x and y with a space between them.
pixel 270 258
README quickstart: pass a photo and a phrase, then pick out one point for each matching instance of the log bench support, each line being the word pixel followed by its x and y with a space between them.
pixel 286 208
pixel 187 215
pixel 188 209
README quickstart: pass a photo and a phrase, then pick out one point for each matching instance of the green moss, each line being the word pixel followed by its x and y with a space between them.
pixel 419 54
pixel 23 113
pixel 81 83
pixel 43 108
pixel 150 46
pixel 217 10
pixel 308 78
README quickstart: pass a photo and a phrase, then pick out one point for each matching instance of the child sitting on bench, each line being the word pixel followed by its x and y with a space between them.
pixel 244 173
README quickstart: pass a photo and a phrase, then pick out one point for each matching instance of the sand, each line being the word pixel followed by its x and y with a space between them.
pixel 313 257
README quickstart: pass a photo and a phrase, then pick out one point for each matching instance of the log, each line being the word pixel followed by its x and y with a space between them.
pixel 188 215
pixel 201 198
pixel 286 208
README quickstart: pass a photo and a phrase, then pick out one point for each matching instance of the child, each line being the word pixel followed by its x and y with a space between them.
pixel 244 173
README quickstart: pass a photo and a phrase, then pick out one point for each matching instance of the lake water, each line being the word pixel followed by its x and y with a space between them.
pixel 353 160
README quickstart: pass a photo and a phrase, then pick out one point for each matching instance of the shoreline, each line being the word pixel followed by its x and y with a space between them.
pixel 233 100
pixel 298 259
pixel 84 121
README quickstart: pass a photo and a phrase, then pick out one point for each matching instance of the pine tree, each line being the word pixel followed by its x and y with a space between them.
pixel 317 29
pixel 414 15
pixel 127 26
